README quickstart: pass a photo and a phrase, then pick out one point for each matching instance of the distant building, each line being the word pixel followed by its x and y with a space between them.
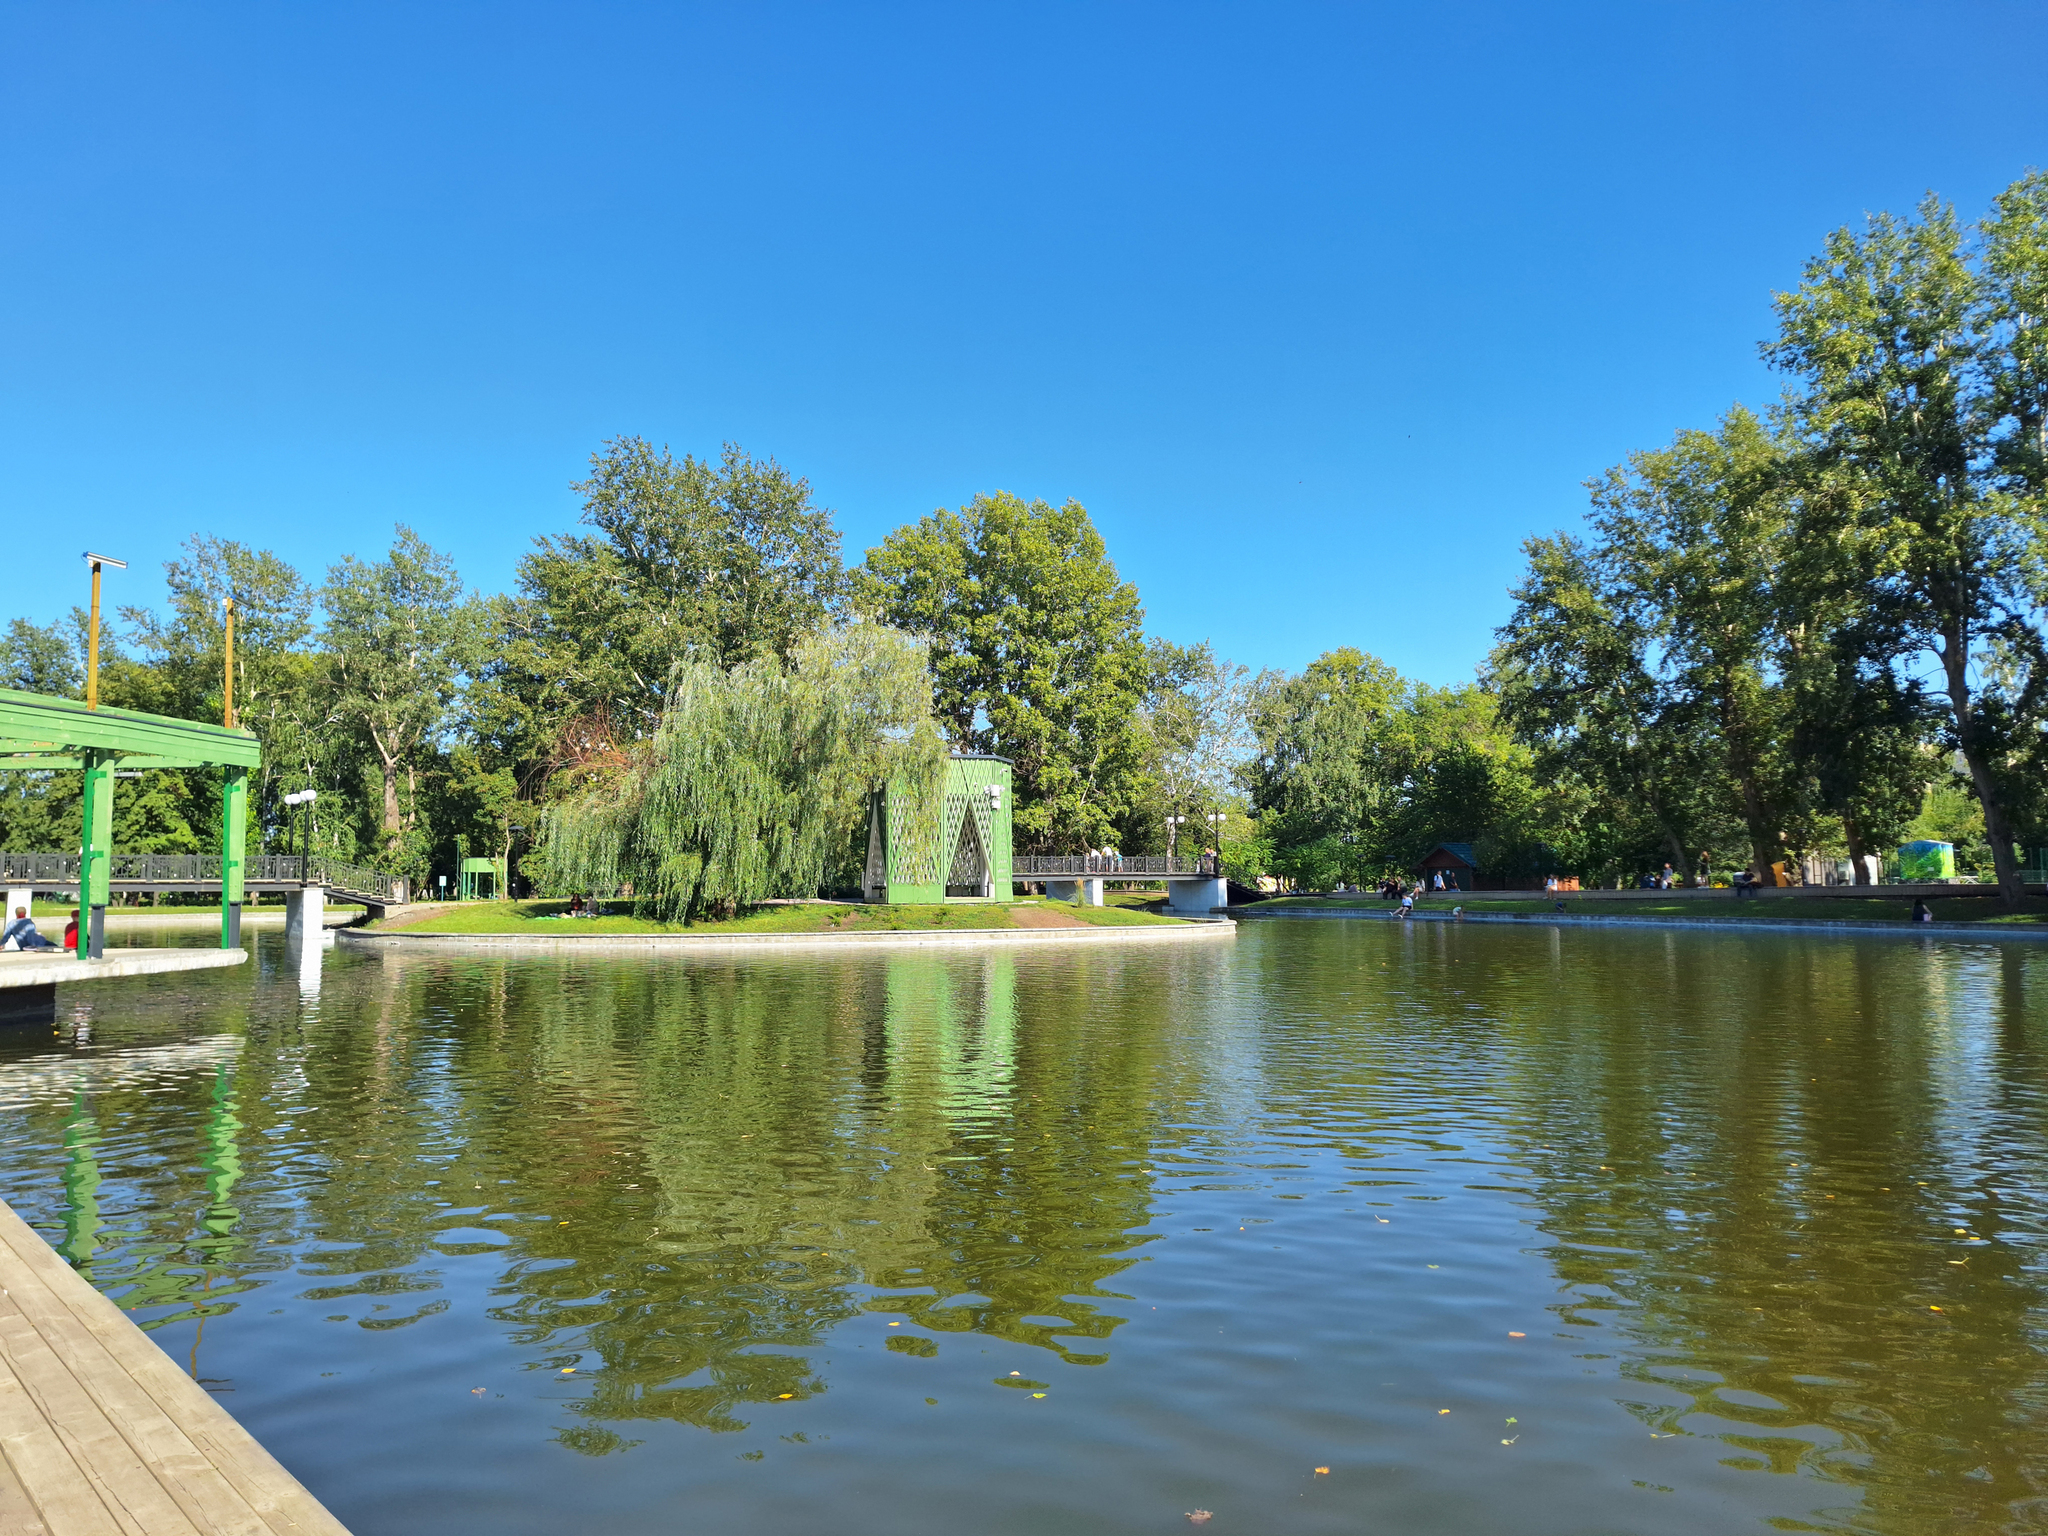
pixel 1454 861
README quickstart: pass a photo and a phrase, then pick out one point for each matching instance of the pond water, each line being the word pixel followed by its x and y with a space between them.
pixel 1510 1229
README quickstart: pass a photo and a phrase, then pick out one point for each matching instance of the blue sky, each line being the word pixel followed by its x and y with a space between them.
pixel 1320 310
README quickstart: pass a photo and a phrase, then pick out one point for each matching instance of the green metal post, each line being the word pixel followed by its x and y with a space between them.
pixel 234 831
pixel 96 853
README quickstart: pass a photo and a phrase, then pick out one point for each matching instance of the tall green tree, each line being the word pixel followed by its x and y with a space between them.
pixel 280 689
pixel 1693 536
pixel 399 638
pixel 39 658
pixel 1918 399
pixel 1199 739
pixel 1360 772
pixel 1037 654
pixel 1576 670
pixel 757 779
pixel 1326 780
pixel 723 563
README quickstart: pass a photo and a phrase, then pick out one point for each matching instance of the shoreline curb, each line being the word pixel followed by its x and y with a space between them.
pixel 689 943
pixel 1712 925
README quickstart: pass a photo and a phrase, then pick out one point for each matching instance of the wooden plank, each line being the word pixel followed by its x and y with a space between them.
pixel 219 1481
pixel 96 1461
pixel 146 1461
pixel 18 1516
pixel 36 1457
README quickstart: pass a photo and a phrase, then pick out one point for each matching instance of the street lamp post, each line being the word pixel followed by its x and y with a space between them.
pixel 92 633
pixel 1216 820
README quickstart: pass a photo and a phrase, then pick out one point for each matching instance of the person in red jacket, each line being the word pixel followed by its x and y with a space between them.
pixel 71 931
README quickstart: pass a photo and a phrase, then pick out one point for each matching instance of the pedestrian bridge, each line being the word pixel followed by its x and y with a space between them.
pixel 196 874
pixel 1194 886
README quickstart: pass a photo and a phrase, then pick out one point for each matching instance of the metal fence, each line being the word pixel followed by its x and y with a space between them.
pixel 1024 867
pixel 199 870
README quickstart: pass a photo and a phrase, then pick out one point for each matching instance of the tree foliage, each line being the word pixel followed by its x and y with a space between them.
pixel 1919 405
pixel 400 636
pixel 755 783
pixel 1037 654
pixel 1360 772
pixel 721 563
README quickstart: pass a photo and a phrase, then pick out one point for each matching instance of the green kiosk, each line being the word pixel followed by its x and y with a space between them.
pixel 965 857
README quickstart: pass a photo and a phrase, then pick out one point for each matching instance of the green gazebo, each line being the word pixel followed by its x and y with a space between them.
pixel 969 857
pixel 41 733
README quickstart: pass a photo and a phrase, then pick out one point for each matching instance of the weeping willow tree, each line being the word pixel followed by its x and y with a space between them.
pixel 755 783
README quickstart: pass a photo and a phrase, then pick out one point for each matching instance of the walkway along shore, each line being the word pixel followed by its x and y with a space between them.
pixel 101 1434
pixel 1192 931
pixel 1699 924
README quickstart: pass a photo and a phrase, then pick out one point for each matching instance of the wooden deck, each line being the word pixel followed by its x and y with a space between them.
pixel 101 1434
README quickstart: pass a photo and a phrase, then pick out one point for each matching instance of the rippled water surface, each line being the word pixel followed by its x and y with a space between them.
pixel 1511 1230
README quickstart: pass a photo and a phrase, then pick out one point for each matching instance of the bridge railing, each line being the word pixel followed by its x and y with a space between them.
pixel 1033 867
pixel 200 869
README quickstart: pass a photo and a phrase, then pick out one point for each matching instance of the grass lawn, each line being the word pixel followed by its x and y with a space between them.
pixel 1774 909
pixel 540 917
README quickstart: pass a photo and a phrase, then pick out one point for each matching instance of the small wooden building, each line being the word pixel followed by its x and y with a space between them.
pixel 1454 861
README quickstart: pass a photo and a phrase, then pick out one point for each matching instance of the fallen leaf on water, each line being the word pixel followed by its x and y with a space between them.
pixel 1934 1309
pixel 1510 1442
pixel 1199 1517
pixel 1038 1394
pixel 1016 1373
pixel 784 1396
pixel 476 1391
pixel 1443 1410
pixel 568 1370
pixel 1514 1421
pixel 1322 1471
pixel 1514 1335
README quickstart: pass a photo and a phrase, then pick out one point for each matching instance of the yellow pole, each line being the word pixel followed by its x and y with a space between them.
pixel 92 645
pixel 227 708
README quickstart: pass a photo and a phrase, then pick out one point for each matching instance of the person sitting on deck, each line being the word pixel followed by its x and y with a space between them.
pixel 21 933
pixel 71 931
pixel 1407 903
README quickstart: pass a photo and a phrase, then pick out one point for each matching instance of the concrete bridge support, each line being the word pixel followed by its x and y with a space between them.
pixel 1194 898
pixel 1086 892
pixel 305 913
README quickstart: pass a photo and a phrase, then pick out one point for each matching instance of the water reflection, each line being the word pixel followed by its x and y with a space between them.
pixel 1763 1214
pixel 310 952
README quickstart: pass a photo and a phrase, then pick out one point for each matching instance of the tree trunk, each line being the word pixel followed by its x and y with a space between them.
pixel 2012 889
pixel 390 798
pixel 1860 873
pixel 1764 849
pixel 1679 867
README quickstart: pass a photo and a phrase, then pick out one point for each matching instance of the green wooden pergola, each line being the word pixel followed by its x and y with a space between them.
pixel 963 856
pixel 39 733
